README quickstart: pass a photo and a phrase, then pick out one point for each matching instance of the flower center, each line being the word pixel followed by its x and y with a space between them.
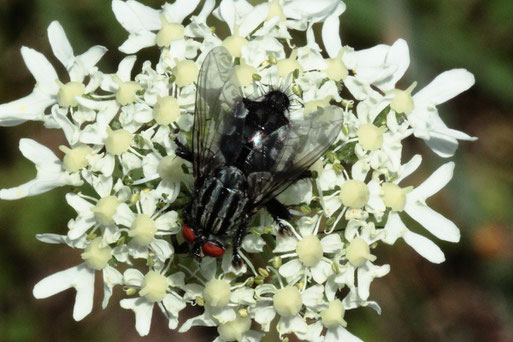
pixel 166 110
pixel 75 158
pixel 126 92
pixel 217 293
pixel 402 101
pixel 67 93
pixel 335 69
pixel 154 286
pixel 234 43
pixel 354 193
pixel 358 252
pixel 309 250
pixel 118 141
pixel 105 209
pixel 370 137
pixel 95 256
pixel 233 330
pixel 394 196
pixel 170 169
pixel 288 65
pixel 245 73
pixel 287 301
pixel 186 72
pixel 312 106
pixel 143 230
pixel 275 9
pixel 333 316
pixel 169 32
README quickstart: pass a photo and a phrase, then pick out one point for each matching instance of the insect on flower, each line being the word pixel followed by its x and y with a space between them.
pixel 245 153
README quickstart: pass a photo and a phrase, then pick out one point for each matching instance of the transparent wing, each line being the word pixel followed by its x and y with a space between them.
pixel 293 149
pixel 218 110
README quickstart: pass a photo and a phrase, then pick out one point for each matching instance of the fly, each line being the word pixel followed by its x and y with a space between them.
pixel 244 153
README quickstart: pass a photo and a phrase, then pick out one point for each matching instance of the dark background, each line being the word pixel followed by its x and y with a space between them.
pixel 468 298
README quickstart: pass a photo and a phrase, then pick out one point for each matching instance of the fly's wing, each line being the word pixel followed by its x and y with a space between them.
pixel 219 109
pixel 293 149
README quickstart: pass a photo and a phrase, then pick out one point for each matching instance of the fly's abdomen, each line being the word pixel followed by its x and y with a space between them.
pixel 220 203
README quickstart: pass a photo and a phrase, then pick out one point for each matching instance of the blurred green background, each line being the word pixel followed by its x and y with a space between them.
pixel 468 298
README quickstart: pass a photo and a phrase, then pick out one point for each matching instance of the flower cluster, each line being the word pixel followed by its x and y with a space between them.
pixel 128 187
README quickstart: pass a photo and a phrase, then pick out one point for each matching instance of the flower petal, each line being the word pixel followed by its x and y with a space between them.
pixel 434 222
pixel 30 107
pixel 60 44
pixel 445 86
pixel 136 17
pixel 425 247
pixel 143 312
pixel 79 277
pixel 434 183
pixel 330 35
pixel 41 69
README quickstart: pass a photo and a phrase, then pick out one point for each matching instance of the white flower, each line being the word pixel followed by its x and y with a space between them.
pixel 154 288
pixel 48 90
pixel 222 300
pixel 81 278
pixel 50 172
pixel 307 251
pixel 420 109
pixel 413 202
pixel 141 21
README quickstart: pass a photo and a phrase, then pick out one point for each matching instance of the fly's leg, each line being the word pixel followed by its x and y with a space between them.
pixel 304 175
pixel 279 212
pixel 196 251
pixel 237 241
pixel 183 152
pixel 179 248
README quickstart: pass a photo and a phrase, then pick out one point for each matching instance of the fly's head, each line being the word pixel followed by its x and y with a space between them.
pixel 201 243
pixel 278 100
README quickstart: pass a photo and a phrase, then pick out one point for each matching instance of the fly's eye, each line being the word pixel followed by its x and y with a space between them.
pixel 188 234
pixel 213 249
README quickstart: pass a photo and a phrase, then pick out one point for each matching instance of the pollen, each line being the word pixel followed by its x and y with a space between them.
pixel 234 43
pixel 287 301
pixel 335 68
pixel 186 73
pixel 143 230
pixel 166 110
pixel 403 101
pixel 309 250
pixel 105 209
pixel 370 137
pixel 358 252
pixel 333 316
pixel 154 287
pixel 288 65
pixel 75 158
pixel 233 330
pixel 170 169
pixel 245 73
pixel 169 32
pixel 126 92
pixel 118 141
pixel 395 196
pixel 217 293
pixel 354 194
pixel 67 93
pixel 97 257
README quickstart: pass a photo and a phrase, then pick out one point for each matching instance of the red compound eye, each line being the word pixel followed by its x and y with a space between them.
pixel 188 234
pixel 213 249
